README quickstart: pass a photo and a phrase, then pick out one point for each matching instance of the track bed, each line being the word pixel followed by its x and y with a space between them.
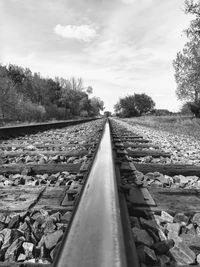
pixel 88 195
pixel 163 200
pixel 41 178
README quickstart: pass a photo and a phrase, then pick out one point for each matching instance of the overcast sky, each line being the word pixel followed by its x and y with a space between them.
pixel 119 47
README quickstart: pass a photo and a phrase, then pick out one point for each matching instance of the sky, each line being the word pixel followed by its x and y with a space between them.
pixel 119 47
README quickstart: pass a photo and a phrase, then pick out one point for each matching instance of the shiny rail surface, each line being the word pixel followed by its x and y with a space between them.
pixel 95 236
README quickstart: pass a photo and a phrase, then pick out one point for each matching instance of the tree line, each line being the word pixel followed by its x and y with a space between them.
pixel 187 63
pixel 26 96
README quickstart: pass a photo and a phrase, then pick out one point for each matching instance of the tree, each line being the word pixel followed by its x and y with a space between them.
pixel 107 113
pixel 143 103
pixel 96 104
pixel 186 109
pixel 187 72
pixel 187 62
pixel 28 96
pixel 8 96
pixel 134 105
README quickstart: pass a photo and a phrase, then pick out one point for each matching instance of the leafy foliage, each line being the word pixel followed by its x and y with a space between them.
pixel 187 62
pixel 25 96
pixel 134 105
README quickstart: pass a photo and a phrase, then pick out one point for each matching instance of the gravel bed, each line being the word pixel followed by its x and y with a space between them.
pixel 74 136
pixel 32 236
pixel 42 159
pixel 56 179
pixel 158 179
pixel 35 235
pixel 34 148
pixel 183 149
pixel 164 239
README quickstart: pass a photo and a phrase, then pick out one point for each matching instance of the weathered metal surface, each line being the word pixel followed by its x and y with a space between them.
pixel 95 237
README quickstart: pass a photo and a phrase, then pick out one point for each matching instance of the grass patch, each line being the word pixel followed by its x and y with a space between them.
pixel 185 125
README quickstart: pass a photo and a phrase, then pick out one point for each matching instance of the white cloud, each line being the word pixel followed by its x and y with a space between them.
pixel 84 33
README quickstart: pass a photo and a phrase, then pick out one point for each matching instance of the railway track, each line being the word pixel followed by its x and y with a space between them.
pixel 82 196
pixel 41 178
pixel 162 199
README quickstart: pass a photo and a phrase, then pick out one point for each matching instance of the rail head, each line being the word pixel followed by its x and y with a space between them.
pixel 95 236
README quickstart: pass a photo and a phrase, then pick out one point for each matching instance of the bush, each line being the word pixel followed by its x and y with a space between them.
pixel 28 111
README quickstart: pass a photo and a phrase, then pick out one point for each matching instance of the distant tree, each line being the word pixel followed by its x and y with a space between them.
pixel 117 108
pixel 143 103
pixel 128 106
pixel 134 105
pixel 96 105
pixel 161 112
pixel 107 113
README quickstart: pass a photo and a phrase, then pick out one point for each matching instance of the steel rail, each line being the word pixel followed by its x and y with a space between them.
pixel 95 235
pixel 12 131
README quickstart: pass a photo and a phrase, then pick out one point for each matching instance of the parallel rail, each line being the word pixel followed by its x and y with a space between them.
pixel 13 131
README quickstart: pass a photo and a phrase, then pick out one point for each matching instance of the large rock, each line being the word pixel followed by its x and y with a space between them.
pixel 55 250
pixel 50 240
pixel 149 176
pixel 182 254
pixel 164 260
pixel 21 257
pixel 135 222
pixel 12 251
pixel 190 229
pixel 149 224
pixel 196 219
pixel 146 255
pixel 56 216
pixel 23 227
pixel 67 216
pixel 181 217
pixel 166 217
pixel 48 226
pixel 192 241
pixel 2 226
pixel 28 249
pixel 14 222
pixel 2 217
pixel 173 229
pixel 142 237
pixel 161 234
pixel 162 179
pixel 9 236
pixel 163 247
